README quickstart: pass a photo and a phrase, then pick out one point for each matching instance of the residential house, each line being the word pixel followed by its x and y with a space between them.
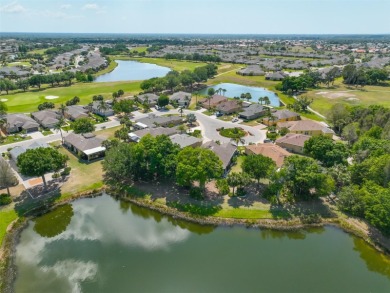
pixel 214 101
pixel 138 134
pixel 87 146
pixel 185 140
pixel 251 70
pixel 307 127
pixel 225 152
pixel 153 121
pixel 278 75
pixel 152 99
pixel 20 122
pixel 183 99
pixel 46 118
pixel 18 150
pixel 275 152
pixel 253 111
pixel 281 116
pixel 293 142
pixel 102 108
pixel 229 107
pixel 75 112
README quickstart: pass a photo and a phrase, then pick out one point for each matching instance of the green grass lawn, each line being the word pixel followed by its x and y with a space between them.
pixel 241 213
pixel 177 65
pixel 7 216
pixel 47 132
pixel 237 167
pixel 29 101
pixel 14 138
pixel 139 49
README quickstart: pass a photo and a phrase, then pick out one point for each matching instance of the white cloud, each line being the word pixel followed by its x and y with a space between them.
pixel 91 6
pixel 13 7
pixel 65 6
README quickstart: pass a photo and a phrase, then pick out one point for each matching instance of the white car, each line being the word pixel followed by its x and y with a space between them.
pixel 234 119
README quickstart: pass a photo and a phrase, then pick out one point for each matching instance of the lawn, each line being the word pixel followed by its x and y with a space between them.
pixel 237 167
pixel 7 216
pixel 14 138
pixel 139 49
pixel 83 176
pixel 242 213
pixel 29 101
pixel 177 65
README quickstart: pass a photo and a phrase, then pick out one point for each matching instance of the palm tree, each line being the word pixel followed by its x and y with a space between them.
pixel 237 140
pixel 181 111
pixel 102 106
pixel 224 91
pixel 209 98
pixel 63 109
pixel 261 100
pixel 58 126
pixel 267 101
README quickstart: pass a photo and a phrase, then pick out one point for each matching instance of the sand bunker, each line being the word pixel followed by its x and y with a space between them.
pixel 336 95
pixel 4 100
pixel 51 97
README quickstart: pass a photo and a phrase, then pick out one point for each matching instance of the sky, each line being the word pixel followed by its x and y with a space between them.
pixel 197 16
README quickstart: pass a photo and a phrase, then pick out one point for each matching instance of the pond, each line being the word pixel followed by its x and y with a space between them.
pixel 235 90
pixel 133 70
pixel 106 245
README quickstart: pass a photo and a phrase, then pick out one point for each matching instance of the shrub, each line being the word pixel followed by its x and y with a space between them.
pixel 196 193
pixel 55 175
pixel 5 199
pixel 223 186
pixel 232 132
pixel 66 171
pixel 272 136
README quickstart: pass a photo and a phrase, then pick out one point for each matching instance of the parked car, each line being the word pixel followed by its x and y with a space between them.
pixel 234 119
pixel 218 114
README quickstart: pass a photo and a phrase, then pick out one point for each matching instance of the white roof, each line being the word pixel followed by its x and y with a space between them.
pixel 141 124
pixel 94 150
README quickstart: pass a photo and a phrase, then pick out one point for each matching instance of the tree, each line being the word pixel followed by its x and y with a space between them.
pixel 58 126
pixel 197 164
pixel 237 180
pixel 340 116
pixel 83 125
pixel 191 118
pixel 261 100
pixel 120 163
pixel 163 101
pixel 122 134
pixel 46 105
pixel 23 84
pixel 258 166
pixel 304 178
pixel 124 106
pixel 350 133
pixel 39 161
pixel 266 101
pixel 323 149
pixel 63 109
pixel 3 108
pixel 7 85
pixel 7 176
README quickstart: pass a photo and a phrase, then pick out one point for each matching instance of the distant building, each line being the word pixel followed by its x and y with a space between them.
pixel 75 112
pixel 229 107
pixel 99 109
pixel 225 153
pixel 153 121
pixel 293 142
pixel 276 153
pixel 253 111
pixel 281 116
pixel 251 70
pixel 278 75
pixel 18 150
pixel 214 101
pixel 307 127
pixel 86 146
pixel 185 140
pixel 46 118
pixel 20 122
pixel 138 134
pixel 151 98
pixel 183 99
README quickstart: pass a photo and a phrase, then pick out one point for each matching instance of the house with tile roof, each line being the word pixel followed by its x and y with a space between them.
pixel 293 142
pixel 307 127
pixel 270 150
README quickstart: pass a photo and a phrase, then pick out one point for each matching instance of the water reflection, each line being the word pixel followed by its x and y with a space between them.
pixel 293 235
pixel 54 222
pixel 375 262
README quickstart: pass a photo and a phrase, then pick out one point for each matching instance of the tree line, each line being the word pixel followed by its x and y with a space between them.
pixel 361 76
pixel 174 79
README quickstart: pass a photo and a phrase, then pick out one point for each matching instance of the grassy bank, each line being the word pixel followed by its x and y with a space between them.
pixel 109 68
pixel 7 216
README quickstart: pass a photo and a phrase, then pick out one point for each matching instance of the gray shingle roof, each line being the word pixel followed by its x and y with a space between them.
pixel 83 142
pixel 225 151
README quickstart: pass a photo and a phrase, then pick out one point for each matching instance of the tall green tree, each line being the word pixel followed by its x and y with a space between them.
pixel 39 161
pixel 258 167
pixel 83 125
pixel 197 164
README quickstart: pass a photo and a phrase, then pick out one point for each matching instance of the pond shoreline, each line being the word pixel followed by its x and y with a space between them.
pixel 8 270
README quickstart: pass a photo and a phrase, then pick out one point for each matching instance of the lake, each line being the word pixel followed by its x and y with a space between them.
pixel 133 70
pixel 106 245
pixel 235 90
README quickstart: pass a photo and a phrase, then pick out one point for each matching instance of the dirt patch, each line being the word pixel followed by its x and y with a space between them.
pixel 35 181
pixel 336 95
